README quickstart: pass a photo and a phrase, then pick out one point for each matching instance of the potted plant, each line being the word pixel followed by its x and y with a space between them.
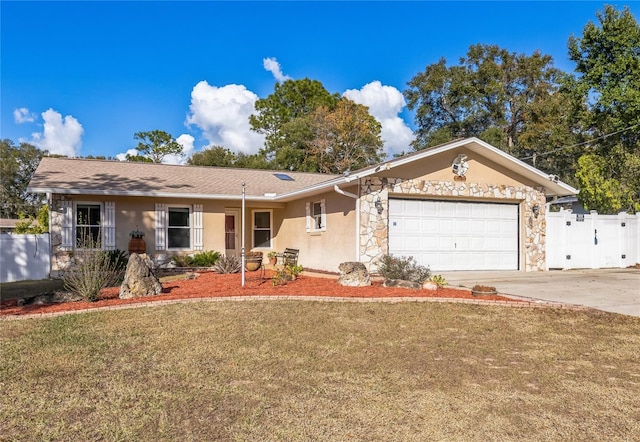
pixel 136 242
pixel 252 261
pixel 273 257
pixel 483 290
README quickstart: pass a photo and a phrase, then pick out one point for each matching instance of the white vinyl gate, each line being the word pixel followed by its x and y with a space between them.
pixel 592 241
pixel 455 235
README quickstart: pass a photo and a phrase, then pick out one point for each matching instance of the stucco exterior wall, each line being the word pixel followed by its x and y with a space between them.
pixel 133 213
pixel 323 250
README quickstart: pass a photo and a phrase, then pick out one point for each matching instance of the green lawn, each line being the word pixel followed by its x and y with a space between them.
pixel 249 371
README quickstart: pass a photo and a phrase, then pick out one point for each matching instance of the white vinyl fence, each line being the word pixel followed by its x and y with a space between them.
pixel 24 257
pixel 592 241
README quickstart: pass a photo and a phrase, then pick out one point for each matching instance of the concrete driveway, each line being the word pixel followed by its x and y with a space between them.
pixel 611 290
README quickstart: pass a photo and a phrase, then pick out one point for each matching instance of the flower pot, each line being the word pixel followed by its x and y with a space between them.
pixel 483 292
pixel 137 245
pixel 273 261
pixel 252 265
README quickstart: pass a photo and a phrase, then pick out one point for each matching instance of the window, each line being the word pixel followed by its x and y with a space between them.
pixel 262 229
pixel 316 216
pixel 178 228
pixel 88 225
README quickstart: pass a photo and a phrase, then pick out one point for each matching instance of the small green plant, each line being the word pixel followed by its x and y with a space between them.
pixel 228 264
pixel 202 259
pixel 287 273
pixel 272 254
pixel 118 258
pixel 205 259
pixel 405 268
pixel 438 280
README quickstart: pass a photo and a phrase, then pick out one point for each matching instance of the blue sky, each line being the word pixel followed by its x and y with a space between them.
pixel 80 78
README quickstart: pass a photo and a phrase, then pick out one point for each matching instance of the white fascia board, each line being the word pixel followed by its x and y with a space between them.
pixel 148 194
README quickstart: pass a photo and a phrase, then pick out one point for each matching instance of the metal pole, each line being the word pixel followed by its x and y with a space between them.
pixel 242 230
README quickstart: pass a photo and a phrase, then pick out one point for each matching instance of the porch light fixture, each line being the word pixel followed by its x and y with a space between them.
pixel 379 206
pixel 536 210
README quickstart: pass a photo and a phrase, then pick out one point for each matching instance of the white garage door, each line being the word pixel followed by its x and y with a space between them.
pixel 447 235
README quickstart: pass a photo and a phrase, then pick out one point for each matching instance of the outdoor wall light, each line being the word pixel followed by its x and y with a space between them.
pixel 379 206
pixel 536 210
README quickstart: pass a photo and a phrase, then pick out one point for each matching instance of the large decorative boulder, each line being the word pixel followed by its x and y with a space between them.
pixel 353 274
pixel 139 279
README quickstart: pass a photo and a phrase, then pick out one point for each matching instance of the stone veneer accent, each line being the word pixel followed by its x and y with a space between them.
pixel 374 237
pixel 60 258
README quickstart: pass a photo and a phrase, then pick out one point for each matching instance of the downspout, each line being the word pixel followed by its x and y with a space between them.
pixel 357 229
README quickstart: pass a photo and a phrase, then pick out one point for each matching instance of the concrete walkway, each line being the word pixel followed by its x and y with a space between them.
pixel 611 290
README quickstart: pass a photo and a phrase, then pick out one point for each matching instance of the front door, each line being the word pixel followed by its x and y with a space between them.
pixel 231 242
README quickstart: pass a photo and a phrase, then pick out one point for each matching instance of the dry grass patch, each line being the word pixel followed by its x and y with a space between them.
pixel 321 371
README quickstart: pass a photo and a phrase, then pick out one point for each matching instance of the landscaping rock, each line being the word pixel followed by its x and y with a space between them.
pixel 353 274
pixel 401 283
pixel 430 285
pixel 50 298
pixel 139 279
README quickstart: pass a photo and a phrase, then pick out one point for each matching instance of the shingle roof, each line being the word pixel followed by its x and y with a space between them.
pixel 98 177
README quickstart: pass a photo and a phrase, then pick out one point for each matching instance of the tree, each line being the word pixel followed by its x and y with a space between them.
pixel 607 58
pixel 222 157
pixel 17 166
pixel 280 117
pixel 306 129
pixel 213 156
pixel 154 145
pixel 347 138
pixel 34 226
pixel 513 101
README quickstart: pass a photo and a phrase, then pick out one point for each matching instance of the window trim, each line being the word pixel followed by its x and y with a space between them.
pixel 74 220
pixel 168 208
pixel 312 225
pixel 253 228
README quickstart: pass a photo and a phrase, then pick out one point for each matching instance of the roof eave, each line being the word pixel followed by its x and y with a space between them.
pixel 62 191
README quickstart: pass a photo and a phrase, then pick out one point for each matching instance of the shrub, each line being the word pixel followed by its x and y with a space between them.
pixel 92 270
pixel 439 280
pixel 228 264
pixel 391 267
pixel 118 258
pixel 287 273
pixel 205 259
pixel 202 259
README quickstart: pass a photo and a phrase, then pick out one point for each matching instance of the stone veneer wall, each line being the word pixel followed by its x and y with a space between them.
pixel 60 258
pixel 374 236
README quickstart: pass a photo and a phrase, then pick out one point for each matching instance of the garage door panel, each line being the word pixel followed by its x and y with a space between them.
pixel 448 235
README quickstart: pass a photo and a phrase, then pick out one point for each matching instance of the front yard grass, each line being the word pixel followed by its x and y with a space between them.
pixel 299 370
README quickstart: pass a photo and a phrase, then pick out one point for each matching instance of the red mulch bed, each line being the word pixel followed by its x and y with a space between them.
pixel 211 284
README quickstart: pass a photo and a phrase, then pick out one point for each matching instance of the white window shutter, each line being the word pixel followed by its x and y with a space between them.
pixel 67 225
pixel 109 226
pixel 161 231
pixel 198 237
pixel 308 209
pixel 323 217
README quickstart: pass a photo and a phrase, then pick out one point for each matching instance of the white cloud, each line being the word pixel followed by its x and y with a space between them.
pixel 61 136
pixel 385 103
pixel 186 141
pixel 272 65
pixel 222 113
pixel 123 156
pixel 22 115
